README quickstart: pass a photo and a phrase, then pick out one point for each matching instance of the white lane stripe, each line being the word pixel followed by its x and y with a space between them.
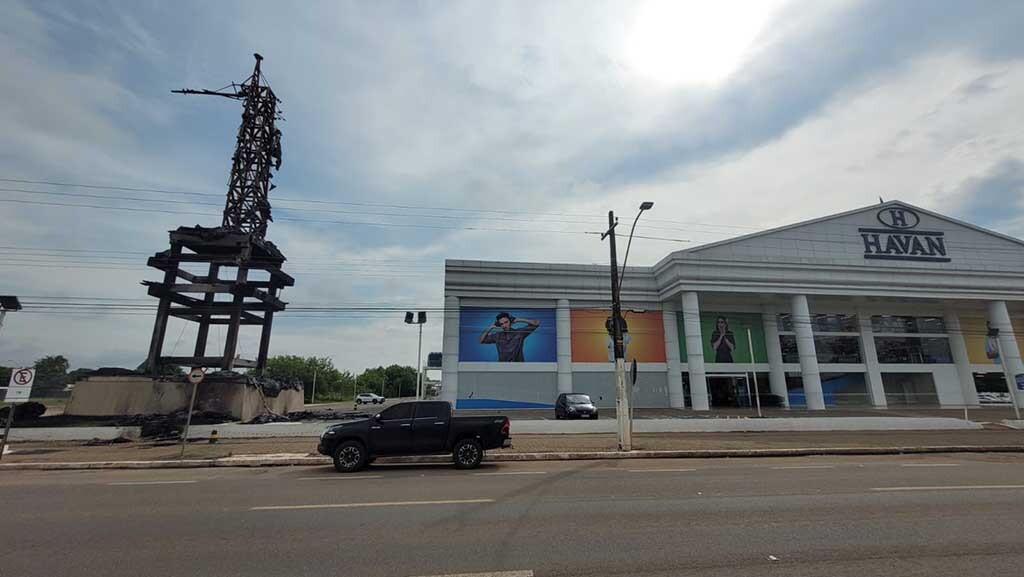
pixel 339 477
pixel 152 483
pixel 661 470
pixel 929 464
pixel 527 573
pixel 804 467
pixel 379 504
pixel 513 473
pixel 949 488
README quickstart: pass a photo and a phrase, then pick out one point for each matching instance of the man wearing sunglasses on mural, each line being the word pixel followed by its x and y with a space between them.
pixel 508 338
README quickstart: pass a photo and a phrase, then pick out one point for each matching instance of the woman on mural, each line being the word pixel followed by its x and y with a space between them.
pixel 722 341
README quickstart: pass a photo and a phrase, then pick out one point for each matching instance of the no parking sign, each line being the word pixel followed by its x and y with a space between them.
pixel 19 389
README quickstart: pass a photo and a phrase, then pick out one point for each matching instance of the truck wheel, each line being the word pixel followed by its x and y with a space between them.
pixel 468 453
pixel 349 457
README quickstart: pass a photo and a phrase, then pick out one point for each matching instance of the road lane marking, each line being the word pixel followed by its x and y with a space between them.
pixel 340 477
pixel 661 470
pixel 124 483
pixel 513 473
pixel 949 488
pixel 929 464
pixel 379 504
pixel 804 467
pixel 527 573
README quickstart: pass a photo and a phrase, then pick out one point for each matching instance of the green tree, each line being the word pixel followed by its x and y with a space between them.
pixel 395 381
pixel 51 376
pixel 331 384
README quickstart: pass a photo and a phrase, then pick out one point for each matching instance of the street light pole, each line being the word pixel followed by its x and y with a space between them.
pixel 419 366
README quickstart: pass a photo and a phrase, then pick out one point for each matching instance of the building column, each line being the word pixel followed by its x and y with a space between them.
pixel 999 318
pixel 776 372
pixel 872 370
pixel 808 356
pixel 563 345
pixel 958 346
pixel 676 400
pixel 695 352
pixel 450 351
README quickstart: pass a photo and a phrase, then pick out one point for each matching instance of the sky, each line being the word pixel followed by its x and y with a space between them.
pixel 471 130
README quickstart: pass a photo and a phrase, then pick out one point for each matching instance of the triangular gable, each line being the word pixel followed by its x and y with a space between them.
pixel 892 233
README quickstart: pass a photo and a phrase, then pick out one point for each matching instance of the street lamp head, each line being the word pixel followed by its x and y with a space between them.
pixel 646 205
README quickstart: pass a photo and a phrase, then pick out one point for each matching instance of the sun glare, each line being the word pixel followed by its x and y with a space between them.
pixel 694 42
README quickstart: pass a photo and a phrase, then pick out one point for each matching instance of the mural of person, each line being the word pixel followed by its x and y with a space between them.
pixel 507 338
pixel 610 340
pixel 991 343
pixel 723 341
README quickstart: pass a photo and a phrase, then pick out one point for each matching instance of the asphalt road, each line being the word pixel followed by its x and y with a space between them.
pixel 933 515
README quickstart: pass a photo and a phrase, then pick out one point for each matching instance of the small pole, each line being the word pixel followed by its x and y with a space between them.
pixel 753 369
pixel 312 397
pixel 7 429
pixel 188 419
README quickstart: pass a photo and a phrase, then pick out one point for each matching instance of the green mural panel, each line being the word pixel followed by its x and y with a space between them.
pixel 724 336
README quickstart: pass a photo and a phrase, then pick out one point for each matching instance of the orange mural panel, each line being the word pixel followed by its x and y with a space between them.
pixel 644 336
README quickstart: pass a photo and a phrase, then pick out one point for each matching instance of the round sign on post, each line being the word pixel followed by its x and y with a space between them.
pixel 195 376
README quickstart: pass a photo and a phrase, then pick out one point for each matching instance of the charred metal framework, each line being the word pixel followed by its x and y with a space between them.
pixel 234 250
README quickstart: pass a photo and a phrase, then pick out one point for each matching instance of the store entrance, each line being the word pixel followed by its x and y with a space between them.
pixel 729 390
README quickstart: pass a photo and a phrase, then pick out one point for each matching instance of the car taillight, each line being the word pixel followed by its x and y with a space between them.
pixel 505 427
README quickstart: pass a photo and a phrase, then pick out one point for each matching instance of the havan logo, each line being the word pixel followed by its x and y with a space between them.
pixel 899 242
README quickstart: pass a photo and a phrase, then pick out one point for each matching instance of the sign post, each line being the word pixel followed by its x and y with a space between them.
pixel 195 376
pixel 19 390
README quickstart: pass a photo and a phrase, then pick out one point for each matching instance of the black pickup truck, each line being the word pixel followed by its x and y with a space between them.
pixel 414 428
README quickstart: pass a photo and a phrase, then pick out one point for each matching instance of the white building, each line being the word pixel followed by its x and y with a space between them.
pixel 887 305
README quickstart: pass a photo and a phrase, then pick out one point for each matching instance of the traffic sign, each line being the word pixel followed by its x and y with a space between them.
pixel 19 389
pixel 195 376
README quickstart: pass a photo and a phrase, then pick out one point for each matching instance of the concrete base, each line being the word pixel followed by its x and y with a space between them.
pixel 137 395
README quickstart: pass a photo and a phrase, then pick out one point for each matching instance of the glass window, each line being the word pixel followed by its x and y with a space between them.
pixel 845 390
pixel 913 350
pixel 828 349
pixel 795 390
pixel 909 389
pixel 432 411
pixel 823 323
pixel 399 411
pixel 905 324
pixel 789 352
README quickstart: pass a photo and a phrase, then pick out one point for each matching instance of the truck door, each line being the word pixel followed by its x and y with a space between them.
pixel 392 433
pixel 430 427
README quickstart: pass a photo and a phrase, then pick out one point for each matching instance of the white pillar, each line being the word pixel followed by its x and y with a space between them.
pixel 958 346
pixel 450 351
pixel 695 352
pixel 776 372
pixel 676 400
pixel 808 356
pixel 869 354
pixel 563 345
pixel 999 318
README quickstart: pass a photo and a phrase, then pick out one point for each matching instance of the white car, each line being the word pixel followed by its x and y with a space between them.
pixel 369 398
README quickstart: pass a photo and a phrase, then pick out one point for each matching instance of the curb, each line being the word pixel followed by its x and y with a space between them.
pixel 510 457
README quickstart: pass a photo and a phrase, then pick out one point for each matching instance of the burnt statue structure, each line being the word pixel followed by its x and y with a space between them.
pixel 235 278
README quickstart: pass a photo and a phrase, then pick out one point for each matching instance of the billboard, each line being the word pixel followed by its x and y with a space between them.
pixel 507 335
pixel 643 336
pixel 724 336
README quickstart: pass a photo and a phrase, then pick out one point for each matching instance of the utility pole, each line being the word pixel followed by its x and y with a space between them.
pixel 312 397
pixel 622 414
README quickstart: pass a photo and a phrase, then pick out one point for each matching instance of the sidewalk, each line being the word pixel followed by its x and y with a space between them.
pixel 995 439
